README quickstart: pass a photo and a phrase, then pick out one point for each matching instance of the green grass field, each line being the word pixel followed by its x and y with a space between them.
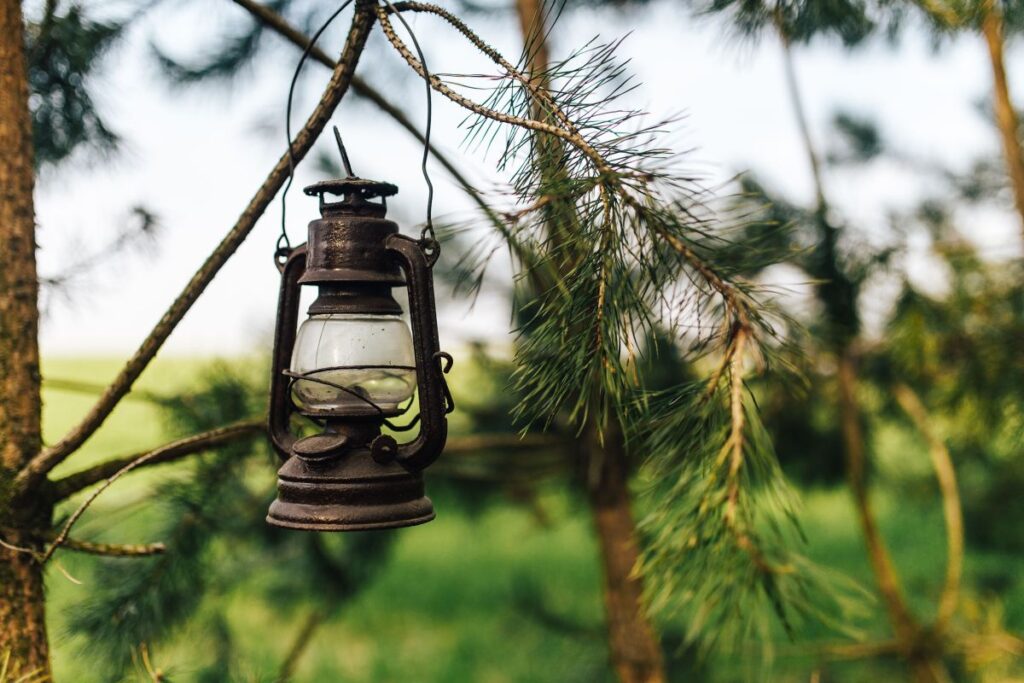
pixel 450 604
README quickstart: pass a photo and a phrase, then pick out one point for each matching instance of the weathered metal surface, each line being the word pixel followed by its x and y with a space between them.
pixel 350 476
pixel 350 493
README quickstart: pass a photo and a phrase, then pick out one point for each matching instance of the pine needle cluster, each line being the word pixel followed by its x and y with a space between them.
pixel 615 247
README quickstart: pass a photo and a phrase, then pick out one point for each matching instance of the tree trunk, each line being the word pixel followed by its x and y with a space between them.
pixel 634 649
pixel 1002 104
pixel 22 611
pixel 23 614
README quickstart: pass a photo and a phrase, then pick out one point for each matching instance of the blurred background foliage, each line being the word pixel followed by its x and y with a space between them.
pixel 505 585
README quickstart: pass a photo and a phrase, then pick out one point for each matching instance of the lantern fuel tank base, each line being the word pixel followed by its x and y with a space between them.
pixel 353 493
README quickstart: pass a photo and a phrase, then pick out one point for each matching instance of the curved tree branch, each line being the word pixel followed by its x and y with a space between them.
pixel 46 460
pixel 951 507
pixel 73 483
pixel 162 454
pixel 904 624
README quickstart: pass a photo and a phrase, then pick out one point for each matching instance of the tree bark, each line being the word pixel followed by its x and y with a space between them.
pixel 19 314
pixel 22 607
pixel 1002 103
pixel 23 614
pixel 633 645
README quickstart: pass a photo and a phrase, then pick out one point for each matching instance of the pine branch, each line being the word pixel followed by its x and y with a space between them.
pixel 533 85
pixel 50 457
pixel 181 448
pixel 530 124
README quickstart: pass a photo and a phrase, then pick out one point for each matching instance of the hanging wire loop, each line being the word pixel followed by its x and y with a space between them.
pixel 284 245
pixel 427 235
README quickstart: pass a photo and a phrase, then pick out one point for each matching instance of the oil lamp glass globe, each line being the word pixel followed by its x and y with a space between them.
pixel 371 356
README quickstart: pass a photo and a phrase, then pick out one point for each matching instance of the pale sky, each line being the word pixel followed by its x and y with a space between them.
pixel 196 157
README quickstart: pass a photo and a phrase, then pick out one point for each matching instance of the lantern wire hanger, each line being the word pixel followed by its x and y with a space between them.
pixel 284 245
pixel 428 238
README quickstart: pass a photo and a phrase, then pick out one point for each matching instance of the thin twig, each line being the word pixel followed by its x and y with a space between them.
pixel 534 85
pixel 951 507
pixel 115 549
pixel 20 549
pixel 73 483
pixel 88 547
pixel 50 457
pixel 159 454
pixel 732 298
pixel 574 139
pixel 155 674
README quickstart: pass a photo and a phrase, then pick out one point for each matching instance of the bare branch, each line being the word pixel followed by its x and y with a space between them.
pixel 734 446
pixel 73 483
pixel 115 549
pixel 46 460
pixel 155 674
pixel 534 84
pixel 951 507
pixel 197 443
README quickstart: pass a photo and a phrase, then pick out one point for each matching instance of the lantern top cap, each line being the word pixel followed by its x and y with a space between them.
pixel 358 187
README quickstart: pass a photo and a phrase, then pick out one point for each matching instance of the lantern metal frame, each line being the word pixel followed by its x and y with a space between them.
pixel 352 476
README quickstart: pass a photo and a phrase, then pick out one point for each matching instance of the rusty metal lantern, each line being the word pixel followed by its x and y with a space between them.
pixel 353 366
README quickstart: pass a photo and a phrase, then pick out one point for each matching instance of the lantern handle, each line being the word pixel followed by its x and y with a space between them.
pixel 432 390
pixel 281 407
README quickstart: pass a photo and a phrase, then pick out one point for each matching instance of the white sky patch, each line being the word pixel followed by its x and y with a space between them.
pixel 196 156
